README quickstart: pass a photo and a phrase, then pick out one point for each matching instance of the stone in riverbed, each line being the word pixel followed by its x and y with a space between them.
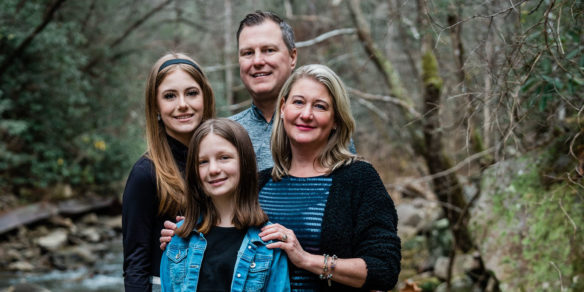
pixel 21 266
pixel 53 240
pixel 25 287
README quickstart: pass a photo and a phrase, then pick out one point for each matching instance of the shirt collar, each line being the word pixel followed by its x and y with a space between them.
pixel 258 114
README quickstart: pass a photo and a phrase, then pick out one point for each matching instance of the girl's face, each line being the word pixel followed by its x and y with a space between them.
pixel 218 167
pixel 180 105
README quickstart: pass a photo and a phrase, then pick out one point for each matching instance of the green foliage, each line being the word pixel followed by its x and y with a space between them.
pixel 557 61
pixel 548 237
pixel 59 120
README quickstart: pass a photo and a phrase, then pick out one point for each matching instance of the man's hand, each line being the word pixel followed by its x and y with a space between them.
pixel 167 233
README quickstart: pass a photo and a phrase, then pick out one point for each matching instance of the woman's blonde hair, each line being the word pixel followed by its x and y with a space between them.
pixel 336 152
pixel 170 182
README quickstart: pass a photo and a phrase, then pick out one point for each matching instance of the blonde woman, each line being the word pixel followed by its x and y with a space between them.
pixel 178 98
pixel 336 221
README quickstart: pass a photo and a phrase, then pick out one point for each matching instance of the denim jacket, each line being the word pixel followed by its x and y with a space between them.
pixel 257 268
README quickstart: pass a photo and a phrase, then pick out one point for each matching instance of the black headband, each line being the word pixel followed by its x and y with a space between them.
pixel 179 61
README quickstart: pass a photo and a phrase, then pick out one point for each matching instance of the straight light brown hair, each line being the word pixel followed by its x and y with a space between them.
pixel 170 182
pixel 200 213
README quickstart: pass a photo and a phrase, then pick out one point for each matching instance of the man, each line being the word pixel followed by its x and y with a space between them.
pixel 267 56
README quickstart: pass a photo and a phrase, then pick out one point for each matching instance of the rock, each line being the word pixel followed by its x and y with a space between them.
pixel 53 240
pixel 62 191
pixel 114 223
pixel 74 257
pixel 408 215
pixel 25 287
pixel 462 284
pixel 461 264
pixel 90 219
pixel 91 234
pixel 406 232
pixel 417 213
pixel 21 266
pixel 490 230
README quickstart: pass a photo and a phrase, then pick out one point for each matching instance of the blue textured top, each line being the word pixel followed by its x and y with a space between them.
pixel 259 131
pixel 298 204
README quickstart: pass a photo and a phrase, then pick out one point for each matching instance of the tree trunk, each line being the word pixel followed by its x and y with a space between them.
pixel 227 49
pixel 447 187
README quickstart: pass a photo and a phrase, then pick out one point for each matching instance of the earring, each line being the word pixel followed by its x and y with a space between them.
pixel 158 116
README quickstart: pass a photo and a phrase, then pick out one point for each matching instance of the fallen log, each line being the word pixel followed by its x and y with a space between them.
pixel 44 210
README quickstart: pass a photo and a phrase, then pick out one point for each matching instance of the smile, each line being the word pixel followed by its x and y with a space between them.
pixel 217 181
pixel 256 75
pixel 304 127
pixel 184 117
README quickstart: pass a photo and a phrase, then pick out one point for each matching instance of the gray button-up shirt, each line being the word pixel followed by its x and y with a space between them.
pixel 260 132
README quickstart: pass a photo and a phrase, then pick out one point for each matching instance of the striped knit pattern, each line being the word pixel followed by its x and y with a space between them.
pixel 298 204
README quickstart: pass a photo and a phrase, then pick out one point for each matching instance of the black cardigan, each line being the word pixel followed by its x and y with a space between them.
pixel 360 221
pixel 141 223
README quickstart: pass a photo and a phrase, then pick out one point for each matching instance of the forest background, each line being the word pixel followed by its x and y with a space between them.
pixel 456 102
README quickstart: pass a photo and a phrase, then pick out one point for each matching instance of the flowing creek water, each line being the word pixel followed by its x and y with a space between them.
pixel 105 275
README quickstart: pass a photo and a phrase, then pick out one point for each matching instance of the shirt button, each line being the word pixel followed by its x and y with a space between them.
pixel 249 247
pixel 252 265
pixel 238 275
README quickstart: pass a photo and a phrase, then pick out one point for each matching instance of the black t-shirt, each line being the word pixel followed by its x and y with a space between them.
pixel 218 264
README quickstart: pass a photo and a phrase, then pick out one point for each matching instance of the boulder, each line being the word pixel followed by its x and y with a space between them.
pixel 74 257
pixel 462 263
pixel 91 234
pixel 418 214
pixel 54 240
pixel 22 266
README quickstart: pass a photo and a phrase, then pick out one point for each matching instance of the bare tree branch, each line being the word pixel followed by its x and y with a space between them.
pixel 409 108
pixel 325 36
pixel 385 67
pixel 127 32
pixel 139 22
pixel 235 107
pixel 373 108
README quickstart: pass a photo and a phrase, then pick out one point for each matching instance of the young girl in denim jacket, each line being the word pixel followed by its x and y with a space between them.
pixel 218 247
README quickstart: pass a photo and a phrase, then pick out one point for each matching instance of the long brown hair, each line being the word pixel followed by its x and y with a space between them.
pixel 199 207
pixel 171 185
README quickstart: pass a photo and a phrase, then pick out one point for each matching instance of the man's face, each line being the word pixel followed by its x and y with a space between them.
pixel 264 60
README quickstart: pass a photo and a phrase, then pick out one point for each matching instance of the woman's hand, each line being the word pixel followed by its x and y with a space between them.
pixel 285 240
pixel 351 272
pixel 167 233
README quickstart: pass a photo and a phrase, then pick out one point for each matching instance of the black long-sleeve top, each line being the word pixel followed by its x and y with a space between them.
pixel 141 223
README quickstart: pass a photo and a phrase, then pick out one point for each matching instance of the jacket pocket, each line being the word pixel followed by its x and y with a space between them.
pixel 259 270
pixel 177 260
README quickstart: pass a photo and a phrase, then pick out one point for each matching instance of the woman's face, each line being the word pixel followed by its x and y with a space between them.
pixel 180 104
pixel 218 167
pixel 308 114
